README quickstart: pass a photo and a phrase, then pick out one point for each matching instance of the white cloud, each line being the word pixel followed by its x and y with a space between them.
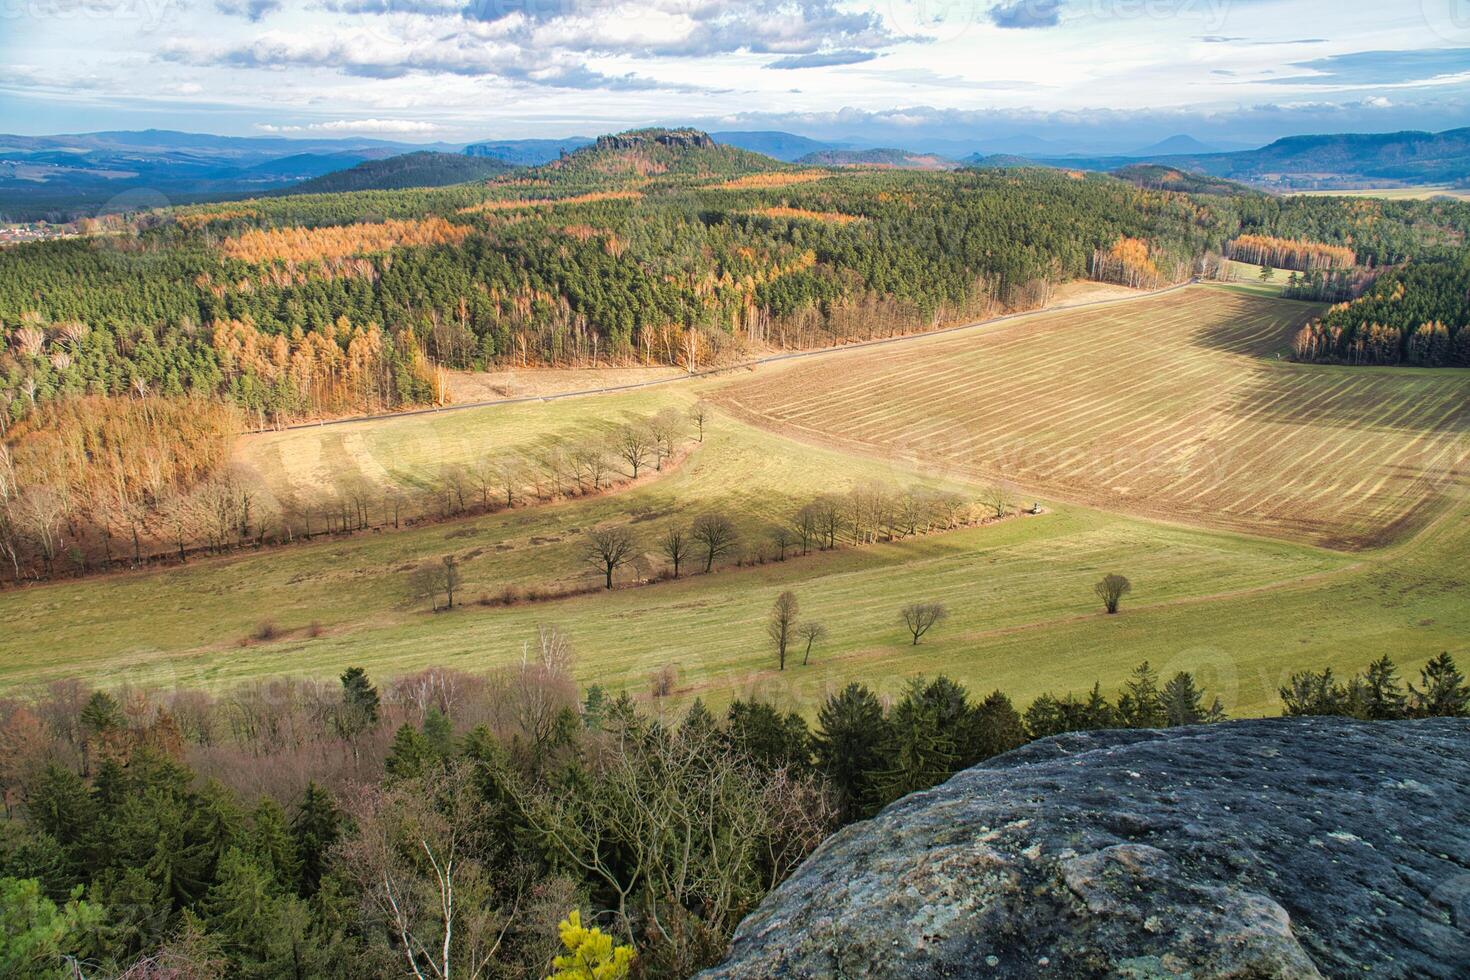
pixel 400 127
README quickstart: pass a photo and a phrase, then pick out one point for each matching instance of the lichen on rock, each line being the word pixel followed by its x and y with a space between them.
pixel 1273 848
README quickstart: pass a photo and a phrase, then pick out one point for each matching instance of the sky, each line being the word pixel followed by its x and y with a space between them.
pixel 1098 74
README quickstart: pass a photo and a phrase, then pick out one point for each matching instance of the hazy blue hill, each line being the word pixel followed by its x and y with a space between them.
pixel 1176 145
pixel 423 169
pixel 996 161
pixel 782 146
pixel 879 157
pixel 527 153
pixel 1339 159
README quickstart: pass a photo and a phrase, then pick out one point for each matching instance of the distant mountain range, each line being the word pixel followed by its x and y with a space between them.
pixel 59 177
pixel 879 157
pixel 1344 160
pixel 782 146
pixel 527 153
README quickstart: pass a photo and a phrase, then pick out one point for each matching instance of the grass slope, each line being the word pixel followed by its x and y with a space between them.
pixel 1242 611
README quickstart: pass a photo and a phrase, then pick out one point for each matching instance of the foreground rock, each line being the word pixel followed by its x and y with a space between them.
pixel 1280 848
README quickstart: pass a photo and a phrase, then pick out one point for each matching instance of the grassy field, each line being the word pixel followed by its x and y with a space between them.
pixel 1241 610
pixel 1177 407
pixel 1424 193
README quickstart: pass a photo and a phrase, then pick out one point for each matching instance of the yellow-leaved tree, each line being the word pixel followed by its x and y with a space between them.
pixel 591 953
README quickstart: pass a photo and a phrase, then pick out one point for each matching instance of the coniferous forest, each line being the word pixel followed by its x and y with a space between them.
pixel 299 307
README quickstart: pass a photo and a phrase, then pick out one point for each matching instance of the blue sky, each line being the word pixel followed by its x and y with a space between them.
pixel 1103 73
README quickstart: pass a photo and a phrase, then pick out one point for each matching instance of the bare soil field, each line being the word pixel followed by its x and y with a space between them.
pixel 1174 407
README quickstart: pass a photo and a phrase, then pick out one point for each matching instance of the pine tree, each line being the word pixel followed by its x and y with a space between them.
pixel 594 707
pixel 60 806
pixel 1314 694
pixel 1444 693
pixel 698 720
pixel 1183 703
pixel 359 701
pixel 1096 711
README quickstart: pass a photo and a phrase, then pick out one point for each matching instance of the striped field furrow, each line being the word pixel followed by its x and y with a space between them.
pixel 1175 406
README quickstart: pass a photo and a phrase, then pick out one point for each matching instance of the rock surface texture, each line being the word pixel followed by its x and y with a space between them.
pixel 1274 848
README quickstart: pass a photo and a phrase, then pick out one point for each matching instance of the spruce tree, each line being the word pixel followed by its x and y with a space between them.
pixel 315 830
pixel 850 730
pixel 1444 693
pixel 410 755
pixel 1380 696
pixel 995 727
pixel 1141 705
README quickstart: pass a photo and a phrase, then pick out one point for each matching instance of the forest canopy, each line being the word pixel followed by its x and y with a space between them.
pixel 585 263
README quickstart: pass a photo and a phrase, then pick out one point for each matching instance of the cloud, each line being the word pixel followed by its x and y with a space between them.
pixel 823 59
pixel 251 10
pixel 1381 67
pixel 1227 39
pixel 366 56
pixel 1027 14
pixel 401 127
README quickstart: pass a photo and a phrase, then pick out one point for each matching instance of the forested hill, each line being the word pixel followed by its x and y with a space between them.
pixel 649 247
pixel 423 169
pixel 1169 179
pixel 645 153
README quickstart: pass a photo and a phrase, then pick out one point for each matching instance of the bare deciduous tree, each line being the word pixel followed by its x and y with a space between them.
pixel 633 443
pixel 664 428
pixel 510 474
pixel 999 498
pixel 920 617
pixel 589 457
pixel 807 525
pixel 813 633
pixel 415 859
pixel 435 578
pixel 609 549
pixel 700 416
pixel 783 538
pixel 1111 591
pixel 782 625
pixel 716 537
pixel 676 547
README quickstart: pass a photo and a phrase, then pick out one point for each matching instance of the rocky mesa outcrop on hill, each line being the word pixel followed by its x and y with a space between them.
pixel 1273 848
